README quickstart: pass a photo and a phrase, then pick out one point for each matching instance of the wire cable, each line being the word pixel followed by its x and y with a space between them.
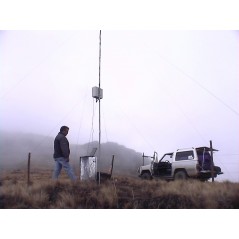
pixel 106 134
pixel 92 128
pixel 54 128
pixel 13 87
pixel 136 129
pixel 77 154
pixel 196 82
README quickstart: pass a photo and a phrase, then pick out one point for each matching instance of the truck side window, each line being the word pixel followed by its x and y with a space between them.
pixel 186 155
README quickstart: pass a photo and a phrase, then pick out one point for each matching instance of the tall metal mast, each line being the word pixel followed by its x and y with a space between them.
pixel 99 103
pixel 97 93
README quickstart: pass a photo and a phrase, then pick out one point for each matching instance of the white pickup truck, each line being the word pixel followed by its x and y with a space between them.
pixel 182 164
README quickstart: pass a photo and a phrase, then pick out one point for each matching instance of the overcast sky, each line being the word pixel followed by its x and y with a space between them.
pixel 163 90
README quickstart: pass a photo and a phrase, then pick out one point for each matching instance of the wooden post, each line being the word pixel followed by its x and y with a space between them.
pixel 112 165
pixel 28 169
pixel 212 164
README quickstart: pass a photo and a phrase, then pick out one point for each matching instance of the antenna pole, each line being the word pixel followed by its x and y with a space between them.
pixel 99 104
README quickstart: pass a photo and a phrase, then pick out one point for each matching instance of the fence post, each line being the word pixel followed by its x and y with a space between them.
pixel 212 163
pixel 28 169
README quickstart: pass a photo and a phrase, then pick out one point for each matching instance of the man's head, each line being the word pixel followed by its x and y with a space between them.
pixel 64 130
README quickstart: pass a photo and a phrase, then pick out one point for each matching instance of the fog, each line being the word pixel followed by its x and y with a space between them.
pixel 162 90
pixel 16 146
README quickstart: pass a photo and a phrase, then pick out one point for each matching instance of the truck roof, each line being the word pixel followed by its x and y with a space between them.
pixel 203 148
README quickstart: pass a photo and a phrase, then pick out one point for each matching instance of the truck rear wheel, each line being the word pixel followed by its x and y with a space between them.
pixel 146 176
pixel 180 175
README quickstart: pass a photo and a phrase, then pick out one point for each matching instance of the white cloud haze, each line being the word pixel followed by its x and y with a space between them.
pixel 163 90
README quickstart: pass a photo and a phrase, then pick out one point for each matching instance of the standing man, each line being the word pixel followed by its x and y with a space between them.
pixel 61 154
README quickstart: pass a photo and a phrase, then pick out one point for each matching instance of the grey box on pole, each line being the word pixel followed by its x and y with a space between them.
pixel 97 92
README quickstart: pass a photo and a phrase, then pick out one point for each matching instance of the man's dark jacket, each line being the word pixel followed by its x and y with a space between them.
pixel 61 146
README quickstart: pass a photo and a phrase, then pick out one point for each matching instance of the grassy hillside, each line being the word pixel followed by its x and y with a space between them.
pixel 124 190
pixel 118 193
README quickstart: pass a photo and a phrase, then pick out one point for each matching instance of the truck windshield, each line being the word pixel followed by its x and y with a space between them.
pixel 167 157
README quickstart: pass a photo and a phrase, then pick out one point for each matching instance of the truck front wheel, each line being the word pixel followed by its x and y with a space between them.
pixel 146 176
pixel 180 175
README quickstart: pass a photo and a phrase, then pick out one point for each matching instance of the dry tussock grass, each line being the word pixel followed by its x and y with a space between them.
pixel 120 192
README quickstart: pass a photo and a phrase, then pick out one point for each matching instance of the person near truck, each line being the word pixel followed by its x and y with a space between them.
pixel 62 154
pixel 205 160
